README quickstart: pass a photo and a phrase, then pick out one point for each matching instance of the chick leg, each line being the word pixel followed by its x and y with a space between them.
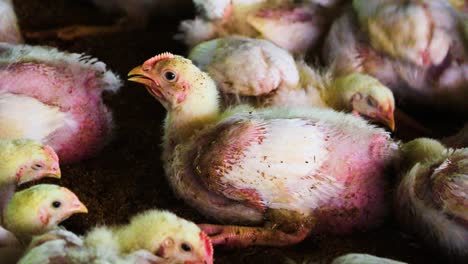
pixel 241 236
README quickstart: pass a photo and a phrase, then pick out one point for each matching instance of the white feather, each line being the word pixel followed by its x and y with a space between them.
pixel 195 31
pixel 291 151
pixel 25 117
pixel 76 62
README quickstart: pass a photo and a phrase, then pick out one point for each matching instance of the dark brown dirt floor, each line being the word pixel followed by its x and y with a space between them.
pixel 127 177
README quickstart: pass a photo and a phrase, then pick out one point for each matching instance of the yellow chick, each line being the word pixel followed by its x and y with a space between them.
pixel 283 171
pixel 24 160
pixel 153 236
pixel 39 209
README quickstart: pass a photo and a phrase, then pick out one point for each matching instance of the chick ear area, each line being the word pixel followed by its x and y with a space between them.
pixel 165 247
pixel 356 97
pixel 44 216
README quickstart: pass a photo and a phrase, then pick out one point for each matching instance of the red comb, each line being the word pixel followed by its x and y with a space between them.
pixel 208 247
pixel 51 153
pixel 159 57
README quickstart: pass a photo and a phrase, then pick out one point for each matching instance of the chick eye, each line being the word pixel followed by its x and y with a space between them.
pixel 170 76
pixel 371 102
pixel 37 166
pixel 56 204
pixel 185 247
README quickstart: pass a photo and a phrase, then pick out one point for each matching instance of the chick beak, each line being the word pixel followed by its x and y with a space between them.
pixel 79 207
pixel 140 75
pixel 388 119
pixel 53 172
pixel 76 206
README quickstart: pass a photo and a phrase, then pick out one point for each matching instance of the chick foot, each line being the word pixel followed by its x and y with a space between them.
pixel 241 236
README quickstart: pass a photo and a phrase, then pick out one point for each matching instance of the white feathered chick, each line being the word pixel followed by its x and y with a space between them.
pixel 416 48
pixel 55 98
pixel 257 71
pixel 284 171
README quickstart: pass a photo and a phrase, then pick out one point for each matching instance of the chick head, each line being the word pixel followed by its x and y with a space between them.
pixel 24 160
pixel 168 236
pixel 176 82
pixel 366 96
pixel 39 209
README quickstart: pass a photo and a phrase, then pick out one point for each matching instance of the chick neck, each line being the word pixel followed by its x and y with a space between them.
pixel 333 93
pixel 338 98
pixel 420 150
pixel 200 108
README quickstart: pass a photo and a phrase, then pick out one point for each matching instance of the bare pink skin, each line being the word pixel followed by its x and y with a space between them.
pixel 360 206
pixel 78 95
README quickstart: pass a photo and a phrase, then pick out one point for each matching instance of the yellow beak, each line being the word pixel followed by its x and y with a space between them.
pixel 139 76
pixel 81 208
pixel 390 123
pixel 76 206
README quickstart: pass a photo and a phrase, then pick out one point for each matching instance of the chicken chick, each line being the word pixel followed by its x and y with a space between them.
pixel 246 67
pixel 21 161
pixel 286 171
pixel 354 258
pixel 153 236
pixel 431 199
pixel 416 48
pixel 55 98
pixel 39 209
pixel 293 26
pixel 9 29
pixel 24 160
